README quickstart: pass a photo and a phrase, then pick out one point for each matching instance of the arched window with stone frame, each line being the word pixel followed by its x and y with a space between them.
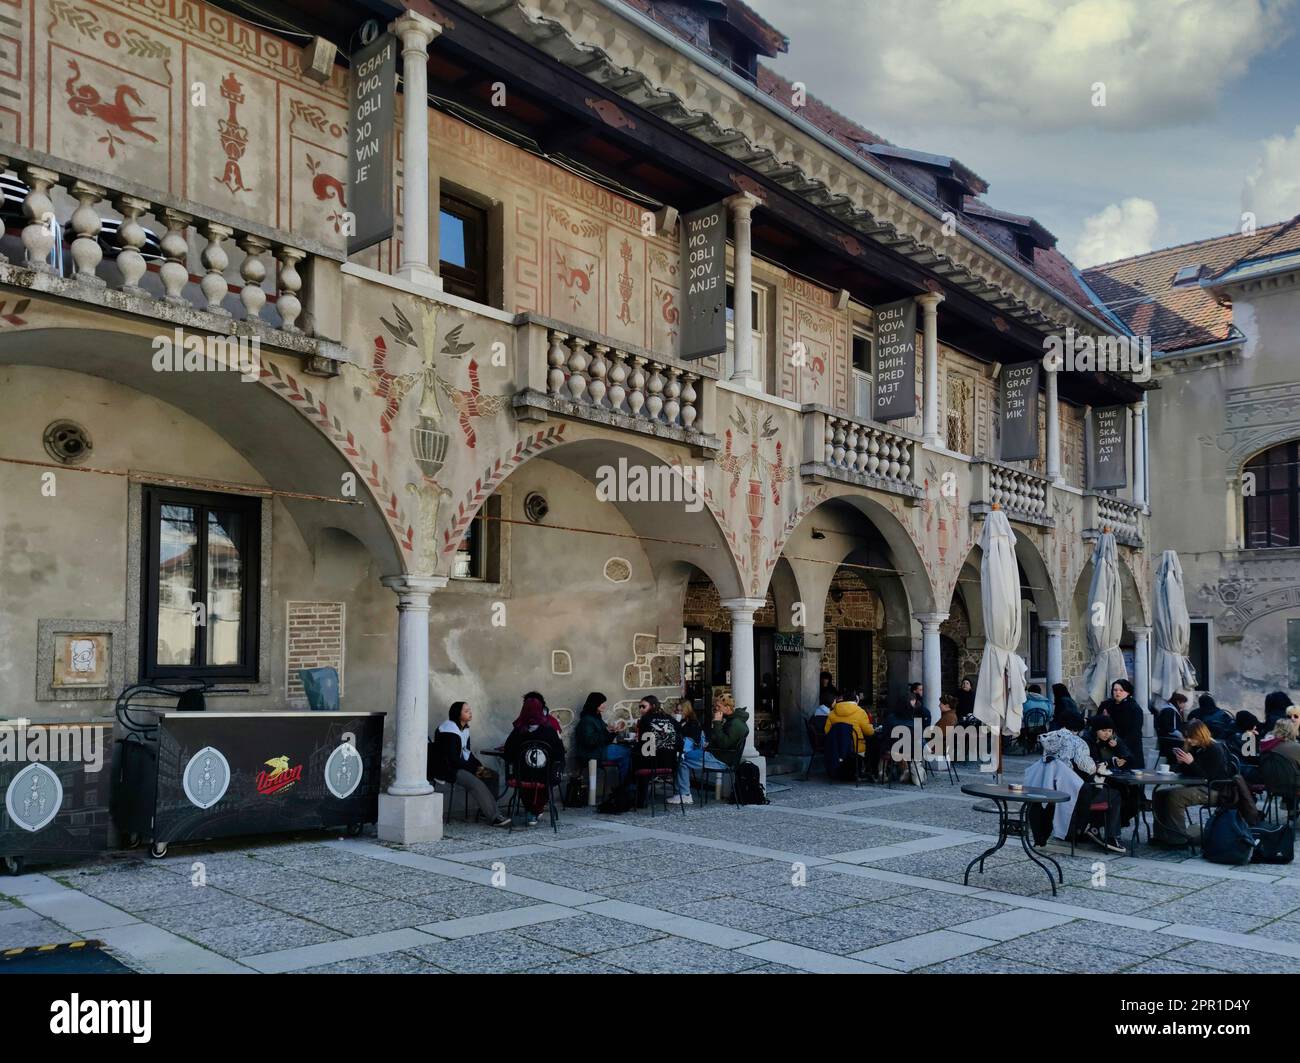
pixel 1270 489
pixel 959 409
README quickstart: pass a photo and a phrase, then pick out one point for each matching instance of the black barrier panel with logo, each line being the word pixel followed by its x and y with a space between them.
pixel 1108 447
pixel 1019 411
pixel 895 361
pixel 704 282
pixel 51 807
pixel 223 774
pixel 372 93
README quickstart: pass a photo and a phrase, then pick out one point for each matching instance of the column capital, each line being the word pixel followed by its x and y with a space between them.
pixel 1054 626
pixel 1142 633
pixel 415 31
pixel 930 621
pixel 414 591
pixel 929 301
pixel 743 608
pixel 742 204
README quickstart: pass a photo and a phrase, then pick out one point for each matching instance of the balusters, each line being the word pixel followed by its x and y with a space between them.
pixel 636 386
pixel 38 208
pixel 290 284
pixel 253 271
pixel 215 260
pixel 671 391
pixel 131 237
pixel 597 372
pixel 86 226
pixel 556 357
pixel 578 359
pixel 617 375
pixel 654 400
pixel 175 271
pixel 873 453
pixel 838 456
pixel 689 412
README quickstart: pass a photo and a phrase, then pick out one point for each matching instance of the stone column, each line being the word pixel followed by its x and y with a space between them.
pixel 411 811
pixel 742 205
pixel 1053 430
pixel 931 665
pixel 930 328
pixel 416 32
pixel 1139 452
pixel 1142 676
pixel 1055 657
pixel 743 687
pixel 810 670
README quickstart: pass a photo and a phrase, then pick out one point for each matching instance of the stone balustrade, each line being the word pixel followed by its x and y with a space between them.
pixel 595 378
pixel 1024 496
pixel 862 452
pixel 157 252
pixel 1124 518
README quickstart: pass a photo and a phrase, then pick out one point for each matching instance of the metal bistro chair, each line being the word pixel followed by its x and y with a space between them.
pixel 658 773
pixel 727 771
pixel 1281 782
pixel 816 741
pixel 533 770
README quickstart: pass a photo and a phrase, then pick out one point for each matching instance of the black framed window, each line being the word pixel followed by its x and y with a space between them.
pixel 1273 511
pixel 470 557
pixel 201 578
pixel 462 248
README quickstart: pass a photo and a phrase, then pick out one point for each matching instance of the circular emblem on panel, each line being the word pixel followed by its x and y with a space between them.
pixel 343 770
pixel 34 797
pixel 206 777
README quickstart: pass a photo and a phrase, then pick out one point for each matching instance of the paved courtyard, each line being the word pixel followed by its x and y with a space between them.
pixel 825 879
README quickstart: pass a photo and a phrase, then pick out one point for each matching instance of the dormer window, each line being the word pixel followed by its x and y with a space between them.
pixel 1025 247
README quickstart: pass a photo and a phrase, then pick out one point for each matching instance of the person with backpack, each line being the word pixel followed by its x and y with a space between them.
pixel 452 763
pixel 594 740
pixel 530 728
pixel 1209 713
pixel 1200 760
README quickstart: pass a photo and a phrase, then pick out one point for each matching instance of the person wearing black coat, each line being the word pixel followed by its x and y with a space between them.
pixel 452 763
pixel 1275 706
pixel 1170 722
pixel 1122 708
pixel 1203 759
pixel 531 727
pixel 1209 713
pixel 1063 706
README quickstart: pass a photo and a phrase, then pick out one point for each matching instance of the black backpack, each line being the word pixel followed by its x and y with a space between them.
pixel 749 785
pixel 617 803
pixel 576 793
pixel 1227 839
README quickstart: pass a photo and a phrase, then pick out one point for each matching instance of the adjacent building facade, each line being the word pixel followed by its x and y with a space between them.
pixel 411 483
pixel 1224 316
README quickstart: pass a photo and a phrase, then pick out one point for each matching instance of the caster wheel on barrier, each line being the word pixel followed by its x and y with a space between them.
pixel 355 829
pixel 13 865
pixel 132 841
pixel 159 850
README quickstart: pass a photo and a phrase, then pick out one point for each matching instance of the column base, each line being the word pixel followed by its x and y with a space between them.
pixel 406 820
pixel 934 442
pixel 422 275
pixel 749 383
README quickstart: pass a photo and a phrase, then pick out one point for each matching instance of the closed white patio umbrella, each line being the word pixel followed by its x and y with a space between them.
pixel 1173 631
pixel 1000 691
pixel 1105 621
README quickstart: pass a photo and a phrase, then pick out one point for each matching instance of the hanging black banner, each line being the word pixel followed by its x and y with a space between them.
pixel 704 282
pixel 1108 447
pixel 1018 410
pixel 372 94
pixel 895 361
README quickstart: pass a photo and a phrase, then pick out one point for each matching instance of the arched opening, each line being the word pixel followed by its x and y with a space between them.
pixel 1271 497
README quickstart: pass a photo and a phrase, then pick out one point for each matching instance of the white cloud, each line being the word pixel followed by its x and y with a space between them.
pixel 1118 231
pixel 1273 190
pixel 1030 64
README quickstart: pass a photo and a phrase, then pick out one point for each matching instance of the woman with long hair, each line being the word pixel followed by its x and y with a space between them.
pixel 595 740
pixel 531 727
pixel 452 763
pixel 1200 760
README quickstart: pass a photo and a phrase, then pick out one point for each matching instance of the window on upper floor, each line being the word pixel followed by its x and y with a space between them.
pixel 462 248
pixel 200 601
pixel 959 408
pixel 864 376
pixel 478 557
pixel 1271 497
pixel 760 300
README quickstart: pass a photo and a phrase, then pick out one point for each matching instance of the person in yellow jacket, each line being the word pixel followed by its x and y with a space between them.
pixel 855 716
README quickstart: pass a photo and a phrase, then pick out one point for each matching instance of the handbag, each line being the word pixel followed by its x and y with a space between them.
pixel 1276 844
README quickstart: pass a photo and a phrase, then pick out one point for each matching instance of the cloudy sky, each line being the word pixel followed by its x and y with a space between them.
pixel 1199 118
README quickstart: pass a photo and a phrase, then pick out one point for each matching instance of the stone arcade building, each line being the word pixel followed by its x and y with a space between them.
pixel 404 486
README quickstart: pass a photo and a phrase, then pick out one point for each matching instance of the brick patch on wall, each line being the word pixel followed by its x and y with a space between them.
pixel 314 640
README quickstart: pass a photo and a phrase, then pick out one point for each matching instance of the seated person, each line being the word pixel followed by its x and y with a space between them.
pixel 452 762
pixel 1036 700
pixel 1105 745
pixel 900 731
pixel 948 706
pixel 1244 740
pixel 656 733
pixel 724 749
pixel 1171 719
pixel 1066 744
pixel 1201 759
pixel 846 710
pixel 531 726
pixel 593 740
pixel 1285 730
pixel 1209 713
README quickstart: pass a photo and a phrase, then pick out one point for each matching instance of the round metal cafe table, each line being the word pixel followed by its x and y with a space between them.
pixel 1003 797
